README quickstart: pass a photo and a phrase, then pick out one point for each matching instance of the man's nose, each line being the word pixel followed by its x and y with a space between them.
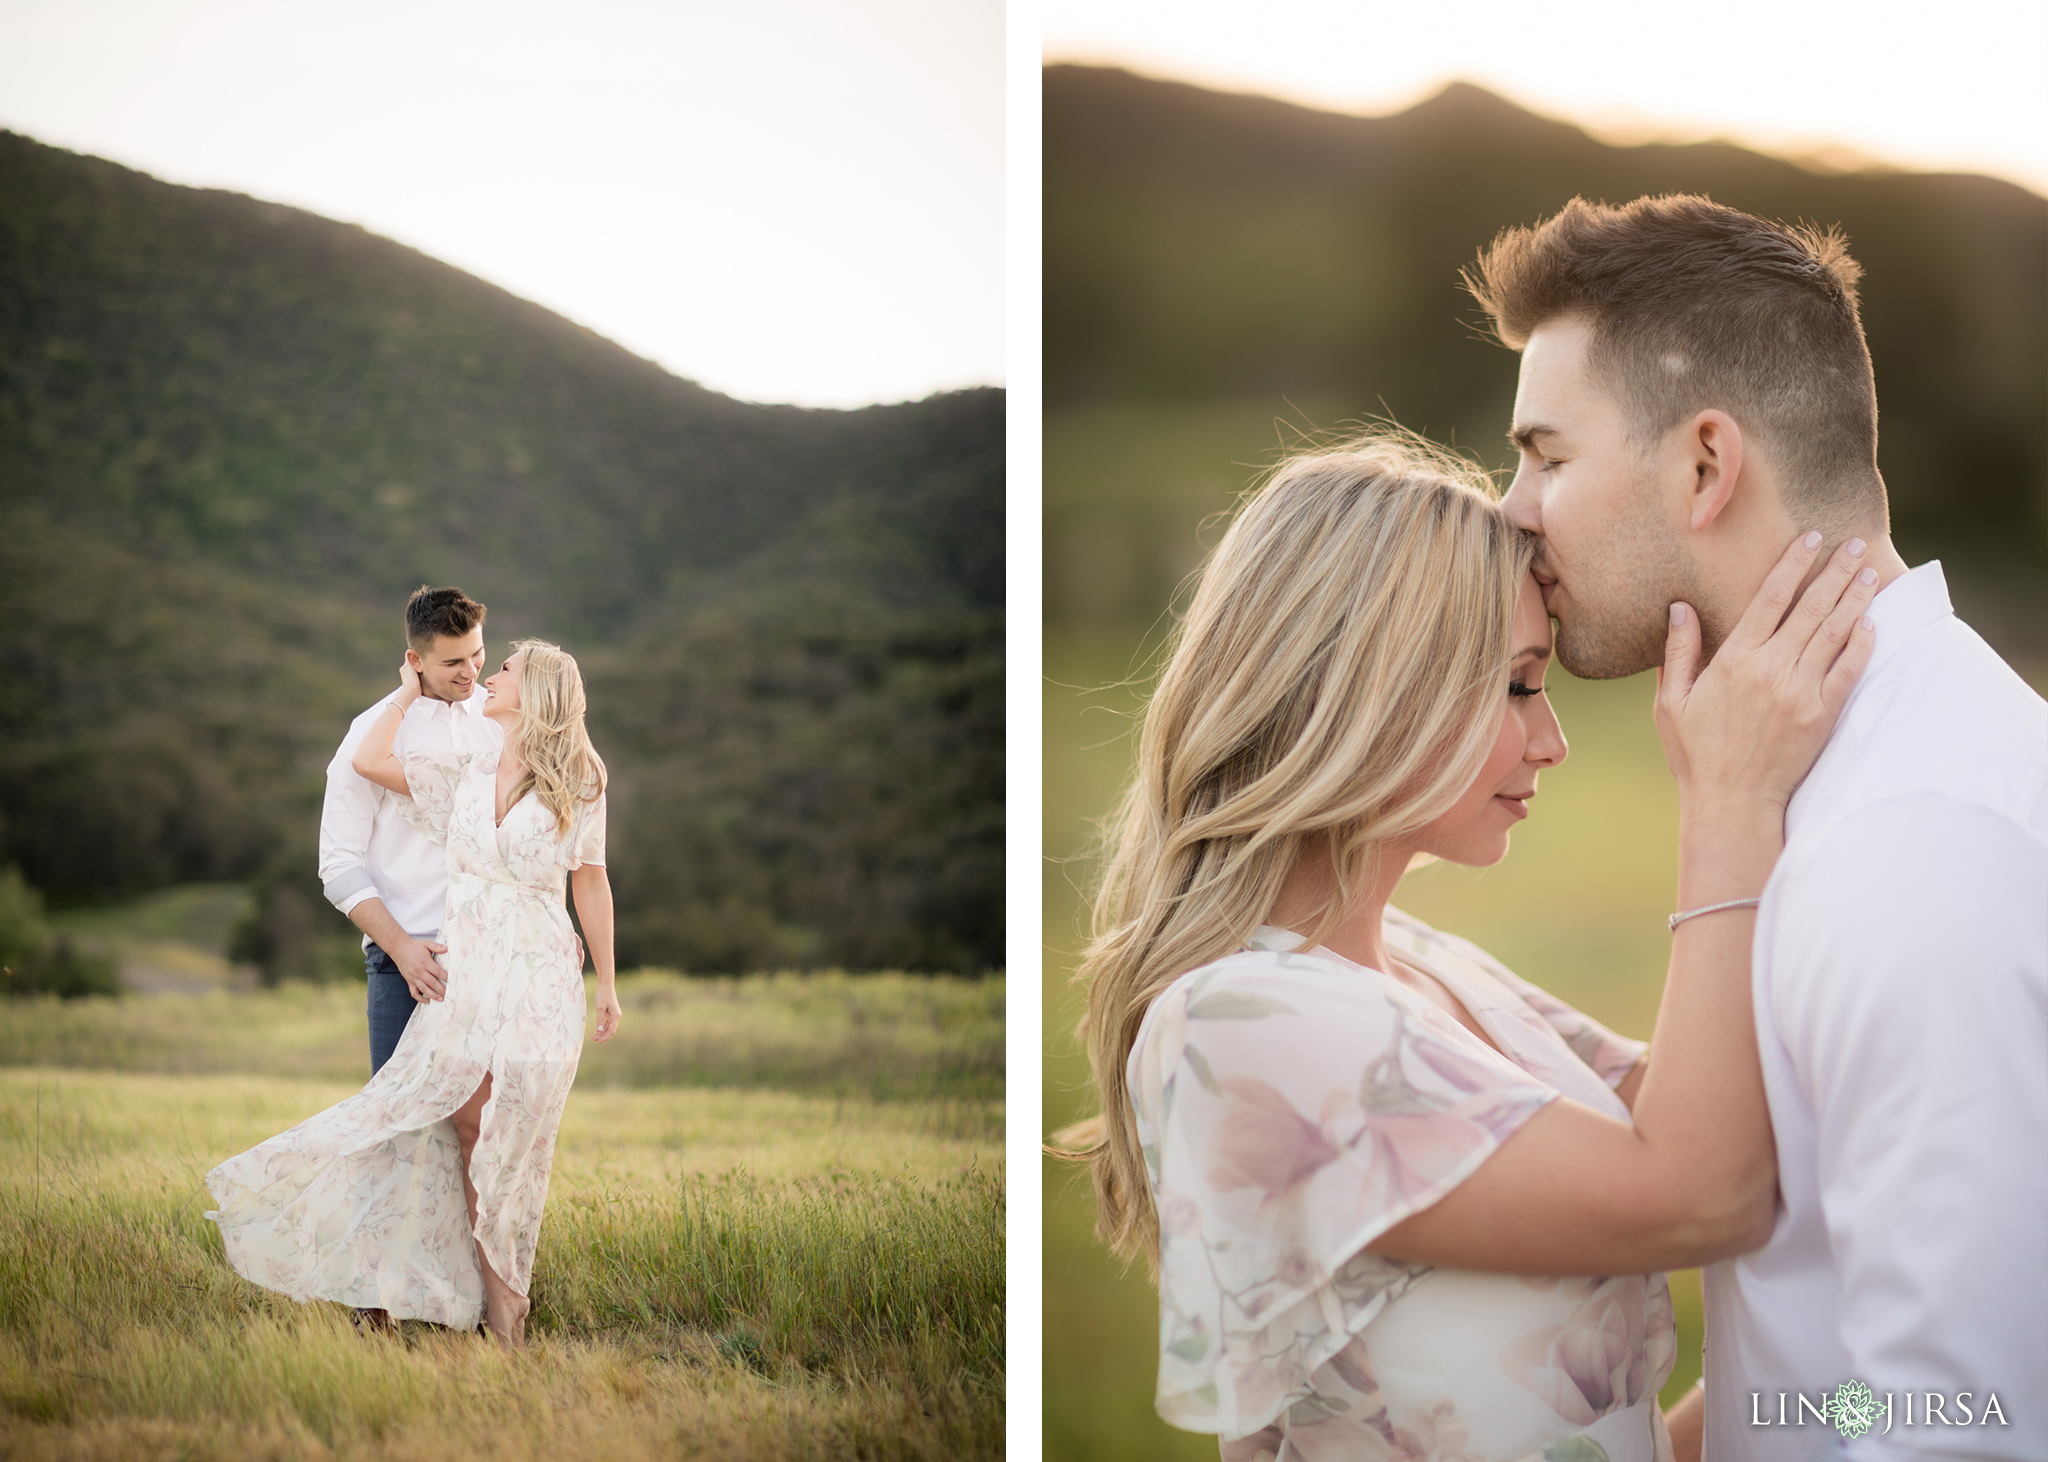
pixel 1521 506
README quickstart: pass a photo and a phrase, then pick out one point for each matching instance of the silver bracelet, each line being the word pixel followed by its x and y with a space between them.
pixel 1683 914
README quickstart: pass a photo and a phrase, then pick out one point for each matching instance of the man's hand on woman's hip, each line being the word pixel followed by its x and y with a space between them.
pixel 423 973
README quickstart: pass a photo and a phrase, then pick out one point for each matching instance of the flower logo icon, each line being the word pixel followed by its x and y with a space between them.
pixel 1853 1409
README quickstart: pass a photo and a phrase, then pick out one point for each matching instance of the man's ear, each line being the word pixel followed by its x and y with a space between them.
pixel 412 658
pixel 1714 442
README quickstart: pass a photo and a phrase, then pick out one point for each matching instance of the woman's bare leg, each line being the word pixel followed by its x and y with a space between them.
pixel 504 1309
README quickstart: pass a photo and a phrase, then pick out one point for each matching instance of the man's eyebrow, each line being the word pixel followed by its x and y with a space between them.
pixel 1525 436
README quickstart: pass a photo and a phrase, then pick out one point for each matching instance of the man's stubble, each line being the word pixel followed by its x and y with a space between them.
pixel 443 688
pixel 1620 595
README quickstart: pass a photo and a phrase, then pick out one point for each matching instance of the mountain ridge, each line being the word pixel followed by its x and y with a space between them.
pixel 246 432
pixel 652 453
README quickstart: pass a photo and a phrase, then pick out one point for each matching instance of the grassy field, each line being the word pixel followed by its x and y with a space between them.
pixel 1578 906
pixel 775 1229
pixel 882 1037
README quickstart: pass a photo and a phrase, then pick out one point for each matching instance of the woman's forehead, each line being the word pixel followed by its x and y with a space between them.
pixel 1532 619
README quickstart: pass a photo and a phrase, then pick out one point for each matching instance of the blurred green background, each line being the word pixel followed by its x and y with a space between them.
pixel 1225 273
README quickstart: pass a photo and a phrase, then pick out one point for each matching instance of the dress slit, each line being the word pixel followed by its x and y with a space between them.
pixel 488 1204
pixel 492 1202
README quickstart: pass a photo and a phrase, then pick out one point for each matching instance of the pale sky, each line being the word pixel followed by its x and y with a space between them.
pixel 1960 85
pixel 786 200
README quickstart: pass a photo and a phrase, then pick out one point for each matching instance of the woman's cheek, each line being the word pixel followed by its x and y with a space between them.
pixel 1507 750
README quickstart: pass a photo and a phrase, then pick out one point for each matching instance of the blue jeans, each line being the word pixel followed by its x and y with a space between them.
pixel 391 1005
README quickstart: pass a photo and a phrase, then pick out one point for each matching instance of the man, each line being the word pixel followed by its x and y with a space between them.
pixel 1695 391
pixel 386 876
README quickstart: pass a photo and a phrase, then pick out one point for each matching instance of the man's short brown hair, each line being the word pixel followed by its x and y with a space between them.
pixel 431 612
pixel 1692 305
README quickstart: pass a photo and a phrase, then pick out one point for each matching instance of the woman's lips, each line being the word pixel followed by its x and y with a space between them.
pixel 1517 805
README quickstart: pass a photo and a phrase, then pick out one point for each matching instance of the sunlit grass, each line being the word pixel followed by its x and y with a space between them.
pixel 723 1271
pixel 886 1037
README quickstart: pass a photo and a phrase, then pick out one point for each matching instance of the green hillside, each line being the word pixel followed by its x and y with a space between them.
pixel 233 435
pixel 1216 262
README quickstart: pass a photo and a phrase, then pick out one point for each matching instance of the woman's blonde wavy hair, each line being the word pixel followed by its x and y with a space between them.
pixel 1339 676
pixel 562 767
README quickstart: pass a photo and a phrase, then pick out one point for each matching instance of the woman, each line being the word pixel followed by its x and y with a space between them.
pixel 422 1193
pixel 1335 1131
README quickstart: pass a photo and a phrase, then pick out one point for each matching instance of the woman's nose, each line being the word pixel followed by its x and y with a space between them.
pixel 1547 746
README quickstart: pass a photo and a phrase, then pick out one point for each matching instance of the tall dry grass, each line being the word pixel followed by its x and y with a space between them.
pixel 723 1272
pixel 886 1037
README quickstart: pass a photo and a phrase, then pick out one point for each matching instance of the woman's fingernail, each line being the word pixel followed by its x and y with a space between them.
pixel 1677 615
pixel 1855 547
pixel 1867 577
pixel 1813 540
pixel 1869 623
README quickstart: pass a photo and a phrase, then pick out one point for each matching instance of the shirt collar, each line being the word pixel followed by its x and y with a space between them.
pixel 1272 939
pixel 1904 607
pixel 473 706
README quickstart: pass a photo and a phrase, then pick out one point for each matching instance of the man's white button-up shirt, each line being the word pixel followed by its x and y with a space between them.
pixel 1901 985
pixel 367 848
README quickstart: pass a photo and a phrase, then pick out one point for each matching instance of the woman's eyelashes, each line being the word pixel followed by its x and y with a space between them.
pixel 1523 688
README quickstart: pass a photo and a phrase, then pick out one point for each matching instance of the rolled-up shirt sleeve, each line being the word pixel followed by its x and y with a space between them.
pixel 346 817
pixel 1912 996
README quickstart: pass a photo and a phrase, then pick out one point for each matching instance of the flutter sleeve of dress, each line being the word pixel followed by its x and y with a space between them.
pixel 433 777
pixel 585 843
pixel 1610 1055
pixel 1291 1109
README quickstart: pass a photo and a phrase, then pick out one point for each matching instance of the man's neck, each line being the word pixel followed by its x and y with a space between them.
pixel 1878 554
pixel 1887 560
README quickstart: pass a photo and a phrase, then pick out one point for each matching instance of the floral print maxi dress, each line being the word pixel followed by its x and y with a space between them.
pixel 1292 1107
pixel 363 1203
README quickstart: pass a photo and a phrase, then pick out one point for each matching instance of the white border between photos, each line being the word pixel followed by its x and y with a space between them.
pixel 1024 1183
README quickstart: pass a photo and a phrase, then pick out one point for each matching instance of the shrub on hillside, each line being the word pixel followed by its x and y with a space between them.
pixel 292 933
pixel 33 961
